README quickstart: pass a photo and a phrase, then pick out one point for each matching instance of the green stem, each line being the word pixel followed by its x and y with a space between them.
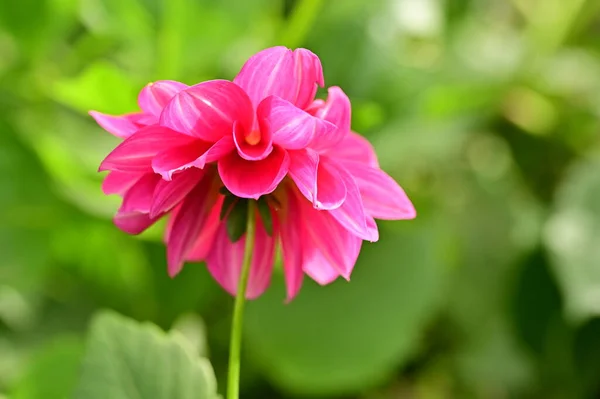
pixel 235 344
pixel 300 22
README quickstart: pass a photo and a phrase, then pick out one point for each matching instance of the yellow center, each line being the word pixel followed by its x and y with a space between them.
pixel 253 138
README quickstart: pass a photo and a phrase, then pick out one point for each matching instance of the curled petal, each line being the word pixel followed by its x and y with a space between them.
pixel 194 155
pixel 189 222
pixel 251 179
pixel 382 197
pixel 167 194
pixel 268 72
pixel 336 110
pixel 291 127
pixel 155 95
pixel 319 184
pixel 121 126
pixel 117 182
pixel 133 222
pixel 354 148
pixel 206 238
pixel 290 231
pixel 139 197
pixel 249 150
pixel 352 214
pixel 308 73
pixel 328 249
pixel 135 153
pixel 208 110
pixel 224 261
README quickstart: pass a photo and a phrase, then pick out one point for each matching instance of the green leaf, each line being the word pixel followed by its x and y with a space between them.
pixel 236 222
pixel 228 203
pixel 53 370
pixel 349 336
pixel 125 359
pixel 265 215
pixel 572 235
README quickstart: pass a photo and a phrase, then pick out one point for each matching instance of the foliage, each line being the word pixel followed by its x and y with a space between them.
pixel 486 112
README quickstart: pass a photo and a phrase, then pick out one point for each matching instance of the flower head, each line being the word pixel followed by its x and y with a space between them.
pixel 196 153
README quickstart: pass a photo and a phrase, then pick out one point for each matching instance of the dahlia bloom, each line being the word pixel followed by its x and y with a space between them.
pixel 194 153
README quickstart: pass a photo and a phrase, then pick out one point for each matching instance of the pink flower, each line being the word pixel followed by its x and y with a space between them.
pixel 262 136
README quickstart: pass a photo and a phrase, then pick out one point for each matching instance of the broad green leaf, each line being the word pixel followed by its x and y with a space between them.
pixel 128 360
pixel 52 370
pixel 348 336
pixel 572 235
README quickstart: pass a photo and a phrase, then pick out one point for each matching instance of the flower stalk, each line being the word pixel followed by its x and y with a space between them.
pixel 235 344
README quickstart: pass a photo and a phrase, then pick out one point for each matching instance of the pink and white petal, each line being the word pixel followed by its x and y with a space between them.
pixel 208 110
pixel 224 261
pixel 290 127
pixel 320 185
pixel 180 158
pixel 118 125
pixel 117 182
pixel 133 222
pixel 313 107
pixel 354 148
pixel 189 222
pixel 135 153
pixel 155 95
pixel 194 155
pixel 206 238
pixel 289 227
pixel 382 197
pixel 326 244
pixel 308 73
pixel 251 179
pixel 269 72
pixel 167 194
pixel 139 197
pixel 317 267
pixel 337 110
pixel 373 231
pixel 252 152
pixel 352 214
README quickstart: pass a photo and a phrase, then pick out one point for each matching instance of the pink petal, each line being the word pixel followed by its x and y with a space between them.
pixel 207 236
pixel 351 214
pixel 168 194
pixel 354 148
pixel 252 152
pixel 117 182
pixel 208 110
pixel 268 72
pixel 224 261
pixel 251 179
pixel 382 197
pixel 291 127
pixel 194 155
pixel 189 222
pixel 315 106
pixel 320 185
pixel 155 95
pixel 133 222
pixel 139 197
pixel 289 226
pixel 120 126
pixel 337 111
pixel 328 248
pixel 308 74
pixel 135 153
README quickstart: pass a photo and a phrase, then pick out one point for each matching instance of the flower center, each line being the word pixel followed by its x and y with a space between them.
pixel 253 138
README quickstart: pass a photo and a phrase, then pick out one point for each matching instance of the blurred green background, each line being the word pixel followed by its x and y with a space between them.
pixel 486 112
